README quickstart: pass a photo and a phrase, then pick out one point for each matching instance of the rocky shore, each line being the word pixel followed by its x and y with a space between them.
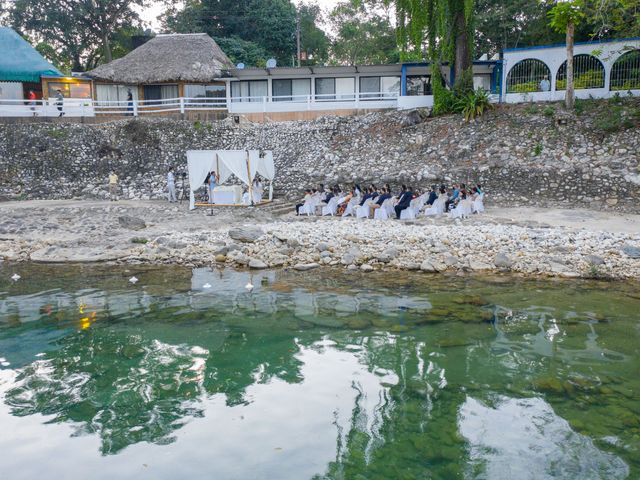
pixel 153 232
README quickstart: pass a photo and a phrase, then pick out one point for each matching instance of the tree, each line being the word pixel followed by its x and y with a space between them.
pixel 79 30
pixel 242 51
pixel 564 16
pixel 269 24
pixel 314 41
pixel 501 25
pixel 362 37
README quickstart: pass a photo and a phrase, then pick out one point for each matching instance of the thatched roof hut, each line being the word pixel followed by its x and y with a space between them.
pixel 171 58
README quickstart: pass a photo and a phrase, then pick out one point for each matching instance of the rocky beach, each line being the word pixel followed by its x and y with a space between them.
pixel 566 243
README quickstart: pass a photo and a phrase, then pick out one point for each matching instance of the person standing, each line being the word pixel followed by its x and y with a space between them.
pixel 113 186
pixel 60 102
pixel 129 103
pixel 171 185
pixel 32 97
pixel 213 182
pixel 545 84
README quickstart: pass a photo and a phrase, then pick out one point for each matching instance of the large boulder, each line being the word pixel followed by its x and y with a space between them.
pixel 246 234
pixel 131 223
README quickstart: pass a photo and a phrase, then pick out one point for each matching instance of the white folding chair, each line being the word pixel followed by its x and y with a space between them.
pixel 409 213
pixel 363 211
pixel 331 207
pixel 385 211
pixel 438 207
pixel 350 208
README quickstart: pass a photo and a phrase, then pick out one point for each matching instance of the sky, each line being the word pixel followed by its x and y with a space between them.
pixel 150 14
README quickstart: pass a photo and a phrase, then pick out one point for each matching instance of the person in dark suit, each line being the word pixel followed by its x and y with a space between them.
pixel 433 195
pixel 384 195
pixel 404 201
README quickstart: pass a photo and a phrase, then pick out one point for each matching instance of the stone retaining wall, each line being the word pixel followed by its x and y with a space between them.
pixel 520 157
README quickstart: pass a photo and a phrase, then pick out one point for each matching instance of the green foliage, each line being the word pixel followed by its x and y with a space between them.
pixel 58 133
pixel 242 51
pixel 140 240
pixel 531 109
pixel 537 150
pixel 548 111
pixel 361 37
pixel 314 41
pixel 80 32
pixel 583 80
pixel 524 87
pixel 473 104
pixel 564 14
pixel 269 24
pixel 197 125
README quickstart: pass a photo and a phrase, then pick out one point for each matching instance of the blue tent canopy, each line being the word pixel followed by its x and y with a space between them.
pixel 19 61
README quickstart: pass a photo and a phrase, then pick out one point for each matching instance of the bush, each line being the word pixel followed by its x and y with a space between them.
pixel 549 111
pixel 473 104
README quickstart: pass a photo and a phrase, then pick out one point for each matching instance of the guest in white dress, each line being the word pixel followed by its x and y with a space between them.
pixel 258 190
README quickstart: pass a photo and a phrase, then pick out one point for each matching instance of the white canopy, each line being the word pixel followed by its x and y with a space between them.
pixel 244 164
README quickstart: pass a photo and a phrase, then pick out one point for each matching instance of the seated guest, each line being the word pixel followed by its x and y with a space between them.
pixel 342 206
pixel 404 201
pixel 433 195
pixel 307 196
pixel 384 195
pixel 357 191
pixel 453 199
pixel 371 193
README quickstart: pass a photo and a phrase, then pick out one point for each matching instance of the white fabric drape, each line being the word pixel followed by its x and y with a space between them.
pixel 266 168
pixel 201 162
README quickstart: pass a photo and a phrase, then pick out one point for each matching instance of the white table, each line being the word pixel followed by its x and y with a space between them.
pixel 227 195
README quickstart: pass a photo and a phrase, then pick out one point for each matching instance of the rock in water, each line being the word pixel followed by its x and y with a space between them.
pixel 131 223
pixel 257 264
pixel 246 234
pixel 303 267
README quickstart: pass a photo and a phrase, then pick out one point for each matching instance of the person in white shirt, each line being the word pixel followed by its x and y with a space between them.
pixel 171 184
pixel 257 189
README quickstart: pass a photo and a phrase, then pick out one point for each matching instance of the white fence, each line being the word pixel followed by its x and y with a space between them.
pixel 241 105
pixel 293 103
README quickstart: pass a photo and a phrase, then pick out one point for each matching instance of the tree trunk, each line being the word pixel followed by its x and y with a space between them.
pixel 569 99
pixel 107 48
pixel 463 60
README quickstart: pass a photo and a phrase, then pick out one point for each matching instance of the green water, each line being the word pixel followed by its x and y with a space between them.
pixel 321 375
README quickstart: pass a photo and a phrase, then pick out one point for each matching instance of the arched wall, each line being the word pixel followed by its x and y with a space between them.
pixel 554 56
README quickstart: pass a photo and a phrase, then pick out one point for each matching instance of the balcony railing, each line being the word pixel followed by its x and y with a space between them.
pixel 248 104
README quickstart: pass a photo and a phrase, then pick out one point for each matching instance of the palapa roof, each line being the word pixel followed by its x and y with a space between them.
pixel 194 57
pixel 19 61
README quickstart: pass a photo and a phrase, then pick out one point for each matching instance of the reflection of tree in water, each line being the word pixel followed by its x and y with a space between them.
pixel 249 357
pixel 411 432
pixel 129 389
pixel 119 386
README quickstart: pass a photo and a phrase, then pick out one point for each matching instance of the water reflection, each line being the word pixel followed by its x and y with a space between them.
pixel 317 377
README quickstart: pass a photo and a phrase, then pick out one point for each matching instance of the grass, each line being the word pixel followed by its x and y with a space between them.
pixel 616 114
pixel 140 240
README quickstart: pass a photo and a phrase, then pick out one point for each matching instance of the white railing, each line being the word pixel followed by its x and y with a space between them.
pixel 283 103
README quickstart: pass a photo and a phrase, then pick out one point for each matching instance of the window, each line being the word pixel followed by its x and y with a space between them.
pixel 482 81
pixel 379 88
pixel 205 91
pixel 529 75
pixel 419 85
pixel 625 73
pixel 249 90
pixel 70 90
pixel 369 87
pixel 285 90
pixel 115 93
pixel 588 72
pixel 328 89
pixel 154 94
